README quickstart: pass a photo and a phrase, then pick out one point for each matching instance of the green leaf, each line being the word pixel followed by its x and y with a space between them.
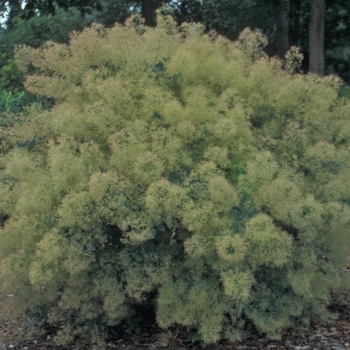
pixel 153 234
pixel 193 337
pixel 346 201
pixel 160 228
pixel 157 116
pixel 173 177
pixel 247 310
pixel 257 303
pixel 189 338
pixel 28 144
pixel 159 250
pixel 234 213
pixel 203 345
pixel 62 193
pixel 150 247
pixel 159 67
pixel 90 247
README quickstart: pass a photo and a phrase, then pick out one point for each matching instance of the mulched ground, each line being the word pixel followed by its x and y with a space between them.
pixel 334 336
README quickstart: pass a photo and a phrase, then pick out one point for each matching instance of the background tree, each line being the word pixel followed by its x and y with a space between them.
pixel 337 39
pixel 147 12
pixel 294 22
pixel 44 7
pixel 316 37
pixel 282 41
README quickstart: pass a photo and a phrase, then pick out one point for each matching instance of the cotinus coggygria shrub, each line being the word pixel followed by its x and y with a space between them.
pixel 178 165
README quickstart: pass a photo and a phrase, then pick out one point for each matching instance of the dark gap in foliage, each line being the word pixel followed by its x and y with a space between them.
pixel 142 317
pixel 3 218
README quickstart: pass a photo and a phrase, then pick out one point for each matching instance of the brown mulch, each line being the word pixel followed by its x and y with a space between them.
pixel 326 337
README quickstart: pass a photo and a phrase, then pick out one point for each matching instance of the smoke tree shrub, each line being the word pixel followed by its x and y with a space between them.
pixel 181 164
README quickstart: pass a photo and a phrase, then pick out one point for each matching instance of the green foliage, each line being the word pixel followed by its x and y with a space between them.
pixel 39 29
pixel 10 75
pixel 15 102
pixel 229 17
pixel 345 91
pixel 112 11
pixel 338 62
pixel 48 7
pixel 337 44
pixel 195 336
pixel 178 164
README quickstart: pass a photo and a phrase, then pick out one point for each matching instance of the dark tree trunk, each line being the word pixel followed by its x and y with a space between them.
pixel 282 41
pixel 147 12
pixel 294 22
pixel 316 37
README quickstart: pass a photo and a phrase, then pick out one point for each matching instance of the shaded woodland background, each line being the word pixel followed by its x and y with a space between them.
pixel 319 27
